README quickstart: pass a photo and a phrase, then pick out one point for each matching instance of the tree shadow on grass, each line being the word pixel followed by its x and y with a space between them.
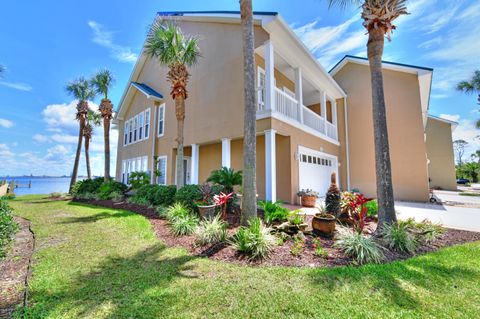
pixel 96 217
pixel 397 281
pixel 134 287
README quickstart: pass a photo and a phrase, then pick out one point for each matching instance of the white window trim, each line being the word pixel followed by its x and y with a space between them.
pixel 147 122
pixel 165 157
pixel 161 111
pixel 141 126
pixel 260 72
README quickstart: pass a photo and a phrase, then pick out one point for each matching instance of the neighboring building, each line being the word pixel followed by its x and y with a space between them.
pixel 441 159
pixel 309 123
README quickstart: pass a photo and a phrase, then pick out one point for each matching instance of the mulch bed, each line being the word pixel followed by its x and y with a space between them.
pixel 281 255
pixel 15 269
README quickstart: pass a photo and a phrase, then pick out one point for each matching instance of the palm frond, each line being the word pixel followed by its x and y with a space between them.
pixel 81 89
pixel 342 3
pixel 167 43
pixel 102 81
pixel 471 86
pixel 94 117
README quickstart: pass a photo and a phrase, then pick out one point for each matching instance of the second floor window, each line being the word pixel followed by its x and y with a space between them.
pixel 140 129
pixel 147 123
pixel 135 128
pixel 261 88
pixel 161 120
pixel 130 132
pixel 125 133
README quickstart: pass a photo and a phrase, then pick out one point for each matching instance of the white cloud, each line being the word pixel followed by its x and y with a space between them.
pixel 63 138
pixel 5 152
pixel 16 86
pixel 466 130
pixel 6 123
pixel 104 38
pixel 40 138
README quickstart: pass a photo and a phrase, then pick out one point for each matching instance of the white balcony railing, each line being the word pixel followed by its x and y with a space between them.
pixel 313 120
pixel 286 105
pixel 331 130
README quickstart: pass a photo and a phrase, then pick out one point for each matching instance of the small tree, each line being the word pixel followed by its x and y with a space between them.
pixel 332 198
pixel 459 147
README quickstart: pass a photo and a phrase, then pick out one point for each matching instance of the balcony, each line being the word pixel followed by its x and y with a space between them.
pixel 288 108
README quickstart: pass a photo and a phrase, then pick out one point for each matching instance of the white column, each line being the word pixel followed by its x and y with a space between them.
pixel 334 117
pixel 194 164
pixel 269 76
pixel 298 92
pixel 226 152
pixel 323 104
pixel 270 166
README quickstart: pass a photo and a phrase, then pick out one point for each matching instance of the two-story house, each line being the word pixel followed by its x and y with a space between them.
pixel 310 122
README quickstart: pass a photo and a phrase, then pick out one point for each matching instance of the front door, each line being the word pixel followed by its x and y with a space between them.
pixel 186 170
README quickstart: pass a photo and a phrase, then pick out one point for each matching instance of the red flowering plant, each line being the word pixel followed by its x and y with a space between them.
pixel 358 211
pixel 222 200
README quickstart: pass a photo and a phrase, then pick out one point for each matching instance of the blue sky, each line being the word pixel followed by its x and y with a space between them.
pixel 47 43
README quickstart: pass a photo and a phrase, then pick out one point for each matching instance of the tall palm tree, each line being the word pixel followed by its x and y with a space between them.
pixel 378 17
pixel 103 81
pixel 95 119
pixel 82 91
pixel 167 43
pixel 249 198
pixel 472 86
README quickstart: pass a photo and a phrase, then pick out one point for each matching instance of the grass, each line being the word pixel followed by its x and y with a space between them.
pixel 93 262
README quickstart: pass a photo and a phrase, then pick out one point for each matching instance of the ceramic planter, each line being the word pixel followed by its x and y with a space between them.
pixel 309 201
pixel 324 225
pixel 207 211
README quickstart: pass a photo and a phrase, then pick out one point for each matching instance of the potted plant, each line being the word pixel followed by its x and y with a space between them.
pixel 323 223
pixel 308 197
pixel 206 206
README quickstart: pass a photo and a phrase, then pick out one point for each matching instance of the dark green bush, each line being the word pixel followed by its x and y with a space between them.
pixel 138 179
pixel 106 189
pixel 147 192
pixel 90 186
pixel 372 208
pixel 8 226
pixel 188 195
pixel 165 195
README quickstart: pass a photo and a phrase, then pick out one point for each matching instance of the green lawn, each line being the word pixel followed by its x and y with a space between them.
pixel 94 262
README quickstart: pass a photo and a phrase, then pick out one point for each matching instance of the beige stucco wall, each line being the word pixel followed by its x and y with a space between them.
pixel 441 167
pixel 405 128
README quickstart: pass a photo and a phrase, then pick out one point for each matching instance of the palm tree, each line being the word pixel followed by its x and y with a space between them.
pixel 249 198
pixel 82 91
pixel 472 86
pixel 378 17
pixel 227 177
pixel 96 120
pixel 167 43
pixel 102 81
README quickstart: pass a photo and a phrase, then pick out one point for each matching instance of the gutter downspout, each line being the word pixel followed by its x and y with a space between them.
pixel 346 142
pixel 153 133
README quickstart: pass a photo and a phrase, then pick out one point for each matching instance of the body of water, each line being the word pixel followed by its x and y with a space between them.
pixel 40 185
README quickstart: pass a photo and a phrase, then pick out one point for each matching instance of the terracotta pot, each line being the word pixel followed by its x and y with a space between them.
pixel 207 211
pixel 309 201
pixel 324 225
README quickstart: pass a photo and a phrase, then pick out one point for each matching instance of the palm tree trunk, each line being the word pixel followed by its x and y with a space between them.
pixel 249 199
pixel 73 179
pixel 106 138
pixel 87 157
pixel 180 112
pixel 386 206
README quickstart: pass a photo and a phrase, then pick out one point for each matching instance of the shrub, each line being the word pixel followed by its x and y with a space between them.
pixel 372 208
pixel 256 240
pixel 106 189
pixel 398 237
pixel 8 227
pixel 318 249
pixel 138 179
pixel 188 195
pixel 298 246
pixel 86 186
pixel 307 192
pixel 161 211
pixel 296 218
pixel 183 223
pixel 363 249
pixel 138 200
pixel 164 195
pixel 211 231
pixel 427 231
pixel 273 211
pixel 175 211
pixel 116 196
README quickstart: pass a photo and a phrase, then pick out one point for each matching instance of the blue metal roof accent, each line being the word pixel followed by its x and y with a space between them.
pixel 181 13
pixel 147 90
pixel 386 62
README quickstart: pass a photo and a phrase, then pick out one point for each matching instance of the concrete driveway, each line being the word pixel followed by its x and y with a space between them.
pixel 465 218
pixel 455 198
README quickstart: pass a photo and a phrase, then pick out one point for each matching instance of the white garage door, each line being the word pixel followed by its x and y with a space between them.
pixel 315 170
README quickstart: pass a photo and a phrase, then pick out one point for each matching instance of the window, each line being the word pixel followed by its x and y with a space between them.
pixel 125 133
pixel 161 120
pixel 147 124
pixel 162 168
pixel 140 129
pixel 135 128
pixel 130 131
pixel 124 172
pixel 261 88
pixel 144 167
